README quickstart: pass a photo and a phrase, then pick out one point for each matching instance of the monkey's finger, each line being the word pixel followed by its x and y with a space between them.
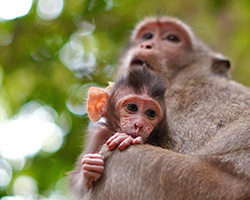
pixel 125 143
pixel 91 176
pixel 117 141
pixel 93 161
pixel 92 168
pixel 96 155
pixel 137 140
pixel 114 137
pixel 110 140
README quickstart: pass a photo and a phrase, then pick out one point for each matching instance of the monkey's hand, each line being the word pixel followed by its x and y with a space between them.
pixel 122 140
pixel 92 166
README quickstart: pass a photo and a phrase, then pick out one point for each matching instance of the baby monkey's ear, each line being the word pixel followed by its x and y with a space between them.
pixel 97 98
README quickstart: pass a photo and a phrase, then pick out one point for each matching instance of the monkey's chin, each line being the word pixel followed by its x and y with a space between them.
pixel 139 62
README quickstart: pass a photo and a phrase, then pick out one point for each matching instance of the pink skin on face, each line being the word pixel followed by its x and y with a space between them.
pixel 138 116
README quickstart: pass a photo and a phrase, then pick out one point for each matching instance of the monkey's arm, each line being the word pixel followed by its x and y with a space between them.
pixel 147 172
pixel 97 135
pixel 90 165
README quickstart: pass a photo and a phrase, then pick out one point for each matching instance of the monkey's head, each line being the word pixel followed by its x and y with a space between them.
pixel 167 45
pixel 135 105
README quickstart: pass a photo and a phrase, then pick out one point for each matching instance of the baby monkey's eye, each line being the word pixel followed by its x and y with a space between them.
pixel 173 38
pixel 151 113
pixel 132 107
pixel 147 36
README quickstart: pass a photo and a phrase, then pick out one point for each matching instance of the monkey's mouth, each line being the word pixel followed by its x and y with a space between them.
pixel 140 62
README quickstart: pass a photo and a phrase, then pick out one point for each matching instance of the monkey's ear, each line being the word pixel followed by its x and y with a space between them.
pixel 221 66
pixel 97 98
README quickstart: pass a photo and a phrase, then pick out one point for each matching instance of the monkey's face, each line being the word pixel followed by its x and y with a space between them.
pixel 163 45
pixel 139 114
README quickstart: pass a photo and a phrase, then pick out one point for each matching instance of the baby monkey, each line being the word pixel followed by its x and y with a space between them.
pixel 135 113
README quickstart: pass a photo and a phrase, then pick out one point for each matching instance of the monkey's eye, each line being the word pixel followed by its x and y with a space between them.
pixel 147 36
pixel 132 107
pixel 151 113
pixel 173 38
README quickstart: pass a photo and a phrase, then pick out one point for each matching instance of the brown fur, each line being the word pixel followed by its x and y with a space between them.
pixel 138 81
pixel 208 120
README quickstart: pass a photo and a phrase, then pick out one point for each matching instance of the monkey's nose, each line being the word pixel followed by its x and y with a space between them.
pixel 146 46
pixel 138 126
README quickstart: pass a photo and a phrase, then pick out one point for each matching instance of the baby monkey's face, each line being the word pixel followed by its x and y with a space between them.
pixel 139 114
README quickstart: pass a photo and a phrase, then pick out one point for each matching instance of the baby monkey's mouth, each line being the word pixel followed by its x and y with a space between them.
pixel 140 62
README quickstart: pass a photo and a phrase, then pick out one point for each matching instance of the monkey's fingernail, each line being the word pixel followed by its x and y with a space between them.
pixel 110 147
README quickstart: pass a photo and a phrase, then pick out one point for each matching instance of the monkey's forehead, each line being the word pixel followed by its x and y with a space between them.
pixel 129 91
pixel 161 20
pixel 136 98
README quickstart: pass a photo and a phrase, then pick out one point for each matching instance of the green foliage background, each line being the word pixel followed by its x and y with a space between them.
pixel 31 67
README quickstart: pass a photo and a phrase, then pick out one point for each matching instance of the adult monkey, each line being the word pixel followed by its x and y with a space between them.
pixel 208 118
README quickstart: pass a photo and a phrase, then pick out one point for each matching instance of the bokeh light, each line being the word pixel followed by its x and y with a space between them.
pixel 79 53
pixel 49 9
pixel 11 9
pixel 5 37
pixel 76 102
pixel 5 173
pixel 25 186
pixel 3 114
pixel 32 130
pixel 13 198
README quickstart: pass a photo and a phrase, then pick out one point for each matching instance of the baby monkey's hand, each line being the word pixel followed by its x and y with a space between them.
pixel 122 140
